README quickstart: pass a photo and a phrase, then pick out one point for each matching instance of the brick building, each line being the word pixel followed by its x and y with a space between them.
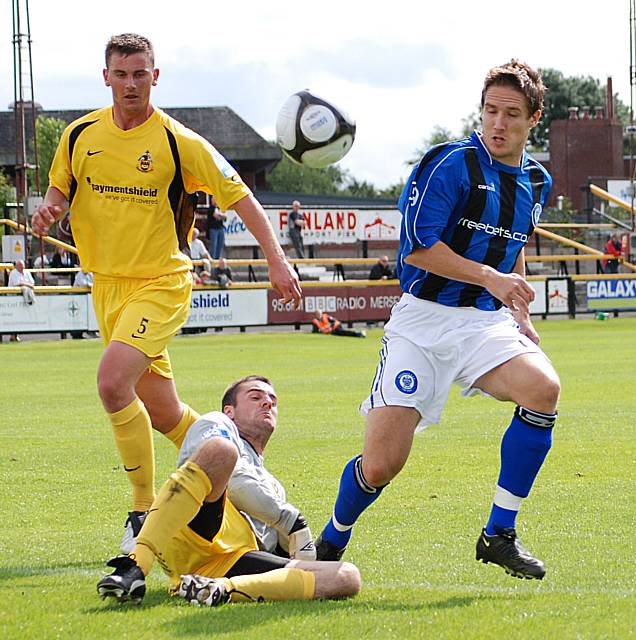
pixel 587 144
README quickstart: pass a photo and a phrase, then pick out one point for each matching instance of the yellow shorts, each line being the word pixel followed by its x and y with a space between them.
pixel 144 313
pixel 188 552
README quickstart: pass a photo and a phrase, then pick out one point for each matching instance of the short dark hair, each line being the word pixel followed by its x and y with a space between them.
pixel 127 44
pixel 520 76
pixel 229 396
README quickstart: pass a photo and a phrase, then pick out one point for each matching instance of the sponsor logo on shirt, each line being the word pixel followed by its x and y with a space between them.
pixel 215 432
pixel 131 191
pixel 487 187
pixel 223 165
pixel 491 230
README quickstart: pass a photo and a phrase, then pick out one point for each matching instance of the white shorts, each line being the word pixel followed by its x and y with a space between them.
pixel 428 346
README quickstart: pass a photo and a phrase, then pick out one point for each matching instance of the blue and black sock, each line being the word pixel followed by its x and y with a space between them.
pixel 354 496
pixel 524 447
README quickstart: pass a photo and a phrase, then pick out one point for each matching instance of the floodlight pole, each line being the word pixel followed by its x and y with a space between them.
pixel 632 85
pixel 22 31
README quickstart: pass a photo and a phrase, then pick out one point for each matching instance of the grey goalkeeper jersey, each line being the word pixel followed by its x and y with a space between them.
pixel 252 488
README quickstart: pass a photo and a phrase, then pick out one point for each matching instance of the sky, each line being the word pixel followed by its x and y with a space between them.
pixel 399 67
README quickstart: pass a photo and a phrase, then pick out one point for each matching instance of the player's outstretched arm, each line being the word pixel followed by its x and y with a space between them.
pixel 281 274
pixel 511 288
pixel 260 500
pixel 52 209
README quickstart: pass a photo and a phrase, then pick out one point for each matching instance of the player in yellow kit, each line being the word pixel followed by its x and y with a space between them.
pixel 127 172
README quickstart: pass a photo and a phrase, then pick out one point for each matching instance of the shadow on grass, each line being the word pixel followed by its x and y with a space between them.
pixel 230 618
pixel 110 606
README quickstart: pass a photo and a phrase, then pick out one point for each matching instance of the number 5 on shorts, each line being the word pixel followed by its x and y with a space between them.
pixel 143 326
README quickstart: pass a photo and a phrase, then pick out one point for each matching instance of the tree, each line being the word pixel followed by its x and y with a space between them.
pixel 437 136
pixel 6 192
pixel 359 189
pixel 393 191
pixel 289 177
pixel 471 122
pixel 48 131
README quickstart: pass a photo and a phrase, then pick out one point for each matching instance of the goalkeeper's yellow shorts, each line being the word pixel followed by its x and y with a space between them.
pixel 143 312
pixel 188 552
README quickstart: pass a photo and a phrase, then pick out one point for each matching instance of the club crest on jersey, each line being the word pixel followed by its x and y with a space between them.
pixel 537 210
pixel 144 163
pixel 406 382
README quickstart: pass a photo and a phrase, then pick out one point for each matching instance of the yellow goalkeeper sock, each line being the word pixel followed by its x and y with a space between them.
pixel 178 501
pixel 178 432
pixel 279 584
pixel 133 437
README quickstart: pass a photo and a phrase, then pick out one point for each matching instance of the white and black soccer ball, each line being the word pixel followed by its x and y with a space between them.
pixel 312 131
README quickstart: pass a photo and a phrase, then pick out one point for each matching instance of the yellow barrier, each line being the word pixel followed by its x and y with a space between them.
pixel 560 257
pixel 577 225
pixel 49 239
pixel 567 242
pixel 601 193
pixel 315 284
pixel 602 276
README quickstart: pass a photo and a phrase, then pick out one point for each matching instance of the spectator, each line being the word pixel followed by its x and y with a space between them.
pixel 381 269
pixel 614 248
pixel 62 259
pixel 23 279
pixel 324 323
pixel 296 223
pixel 216 230
pixel 198 251
pixel 223 274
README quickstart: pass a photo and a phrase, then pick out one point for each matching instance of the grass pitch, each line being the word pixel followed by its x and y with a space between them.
pixel 64 496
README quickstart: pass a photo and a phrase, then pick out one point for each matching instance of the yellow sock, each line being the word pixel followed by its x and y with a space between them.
pixel 178 432
pixel 133 437
pixel 178 501
pixel 279 584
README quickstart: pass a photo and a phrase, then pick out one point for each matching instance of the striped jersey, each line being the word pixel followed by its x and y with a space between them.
pixel 482 209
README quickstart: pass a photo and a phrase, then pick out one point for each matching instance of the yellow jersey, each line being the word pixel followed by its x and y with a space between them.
pixel 128 191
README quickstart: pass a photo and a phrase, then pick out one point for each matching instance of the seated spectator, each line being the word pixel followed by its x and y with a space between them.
pixel 24 280
pixel 324 323
pixel 63 259
pixel 381 269
pixel 198 251
pixel 223 274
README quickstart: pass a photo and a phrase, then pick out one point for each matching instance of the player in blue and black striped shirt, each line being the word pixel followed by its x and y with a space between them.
pixel 468 210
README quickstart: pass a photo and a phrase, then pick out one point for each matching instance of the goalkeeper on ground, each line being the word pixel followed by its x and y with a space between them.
pixel 197 528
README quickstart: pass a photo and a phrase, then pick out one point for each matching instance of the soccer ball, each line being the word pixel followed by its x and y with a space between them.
pixel 312 131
